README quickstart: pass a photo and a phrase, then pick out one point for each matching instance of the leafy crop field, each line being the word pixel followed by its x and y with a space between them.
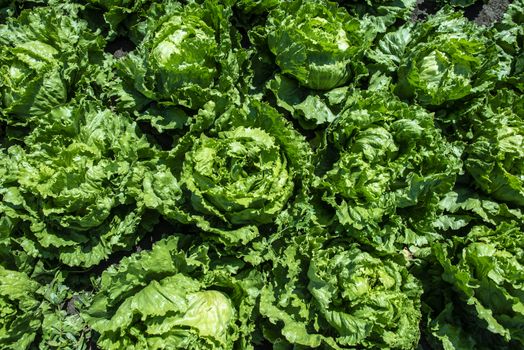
pixel 234 174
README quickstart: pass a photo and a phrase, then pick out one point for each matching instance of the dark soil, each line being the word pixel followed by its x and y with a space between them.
pixel 424 9
pixel 120 47
pixel 481 12
pixel 472 12
pixel 492 12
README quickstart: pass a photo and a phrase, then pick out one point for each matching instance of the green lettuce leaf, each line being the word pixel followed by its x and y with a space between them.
pixel 45 54
pixel 20 317
pixel 464 207
pixel 175 297
pixel 312 108
pixel 447 59
pixel 118 11
pixel 495 156
pixel 509 35
pixel 69 194
pixel 317 43
pixel 240 173
pixel 381 169
pixel 335 295
pixel 256 7
pixel 381 14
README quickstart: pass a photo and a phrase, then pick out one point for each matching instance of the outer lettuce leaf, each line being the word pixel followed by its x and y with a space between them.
pixel 446 332
pixel 510 37
pixel 12 8
pixel 20 318
pixel 12 256
pixel 239 174
pixel 447 59
pixel 382 14
pixel 485 270
pixel 256 7
pixel 391 48
pixel 495 157
pixel 382 171
pixel 317 43
pixel 336 296
pixel 33 313
pixel 117 11
pixel 464 207
pixel 177 298
pixel 312 108
pixel 70 193
pixel 45 54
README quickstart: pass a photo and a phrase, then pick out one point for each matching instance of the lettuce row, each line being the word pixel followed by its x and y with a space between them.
pixel 313 213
